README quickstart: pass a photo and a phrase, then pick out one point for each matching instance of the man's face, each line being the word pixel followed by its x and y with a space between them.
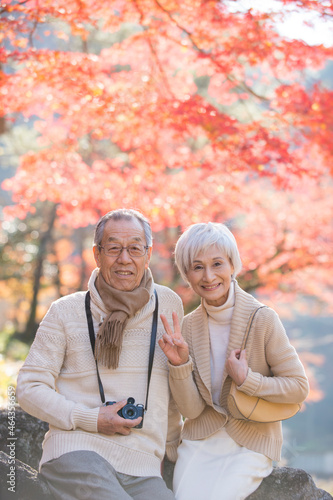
pixel 123 272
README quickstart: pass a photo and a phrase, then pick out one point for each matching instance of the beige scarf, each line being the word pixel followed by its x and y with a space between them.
pixel 121 305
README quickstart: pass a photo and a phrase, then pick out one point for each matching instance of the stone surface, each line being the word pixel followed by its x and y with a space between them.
pixel 28 432
pixel 284 483
pixel 21 483
pixel 168 472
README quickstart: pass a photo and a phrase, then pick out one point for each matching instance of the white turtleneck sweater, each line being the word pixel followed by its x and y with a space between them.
pixel 219 323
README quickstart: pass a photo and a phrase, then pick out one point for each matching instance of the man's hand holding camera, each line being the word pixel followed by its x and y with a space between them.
pixel 109 422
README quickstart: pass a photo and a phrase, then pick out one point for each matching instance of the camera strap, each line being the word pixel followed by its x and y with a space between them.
pixel 151 349
pixel 92 342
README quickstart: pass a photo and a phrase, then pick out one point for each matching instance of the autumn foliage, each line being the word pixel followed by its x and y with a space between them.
pixel 190 110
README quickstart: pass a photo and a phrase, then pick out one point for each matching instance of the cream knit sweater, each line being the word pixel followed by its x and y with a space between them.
pixel 275 374
pixel 58 384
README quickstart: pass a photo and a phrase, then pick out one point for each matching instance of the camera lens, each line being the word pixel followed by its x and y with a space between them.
pixel 130 411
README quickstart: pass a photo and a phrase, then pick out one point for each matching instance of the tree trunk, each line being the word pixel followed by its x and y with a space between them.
pixel 31 326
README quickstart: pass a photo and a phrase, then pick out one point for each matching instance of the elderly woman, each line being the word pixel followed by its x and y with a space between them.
pixel 221 457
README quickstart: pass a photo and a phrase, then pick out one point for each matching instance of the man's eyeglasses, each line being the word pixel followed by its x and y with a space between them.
pixel 114 250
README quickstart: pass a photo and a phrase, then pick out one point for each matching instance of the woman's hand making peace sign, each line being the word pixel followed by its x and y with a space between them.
pixel 172 343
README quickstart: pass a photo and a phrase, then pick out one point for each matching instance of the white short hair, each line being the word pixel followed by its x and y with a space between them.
pixel 198 238
pixel 123 214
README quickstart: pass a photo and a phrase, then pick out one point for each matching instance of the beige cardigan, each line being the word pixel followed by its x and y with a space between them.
pixel 275 374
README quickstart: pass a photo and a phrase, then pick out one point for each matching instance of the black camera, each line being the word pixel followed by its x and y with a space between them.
pixel 130 411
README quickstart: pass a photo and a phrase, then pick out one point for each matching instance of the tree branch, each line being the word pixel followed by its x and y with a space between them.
pixel 31 42
pixel 154 53
pixel 241 85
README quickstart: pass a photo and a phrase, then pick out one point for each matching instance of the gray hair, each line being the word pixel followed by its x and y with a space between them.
pixel 123 214
pixel 198 238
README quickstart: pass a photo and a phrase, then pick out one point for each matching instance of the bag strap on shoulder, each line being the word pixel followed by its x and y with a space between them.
pixel 249 325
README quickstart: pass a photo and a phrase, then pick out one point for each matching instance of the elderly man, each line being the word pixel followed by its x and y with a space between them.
pixel 113 450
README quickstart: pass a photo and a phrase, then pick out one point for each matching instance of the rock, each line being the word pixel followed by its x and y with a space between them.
pixel 168 472
pixel 284 483
pixel 21 483
pixel 28 432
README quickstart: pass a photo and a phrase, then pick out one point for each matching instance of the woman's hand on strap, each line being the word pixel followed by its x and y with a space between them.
pixel 172 343
pixel 237 367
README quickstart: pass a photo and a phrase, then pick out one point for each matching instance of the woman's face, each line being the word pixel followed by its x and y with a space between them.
pixel 210 276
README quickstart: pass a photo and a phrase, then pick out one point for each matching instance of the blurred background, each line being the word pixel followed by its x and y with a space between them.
pixel 189 111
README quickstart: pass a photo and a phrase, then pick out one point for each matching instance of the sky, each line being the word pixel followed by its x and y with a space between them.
pixel 293 26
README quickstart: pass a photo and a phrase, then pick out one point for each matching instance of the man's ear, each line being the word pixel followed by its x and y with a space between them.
pixel 97 255
pixel 149 252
